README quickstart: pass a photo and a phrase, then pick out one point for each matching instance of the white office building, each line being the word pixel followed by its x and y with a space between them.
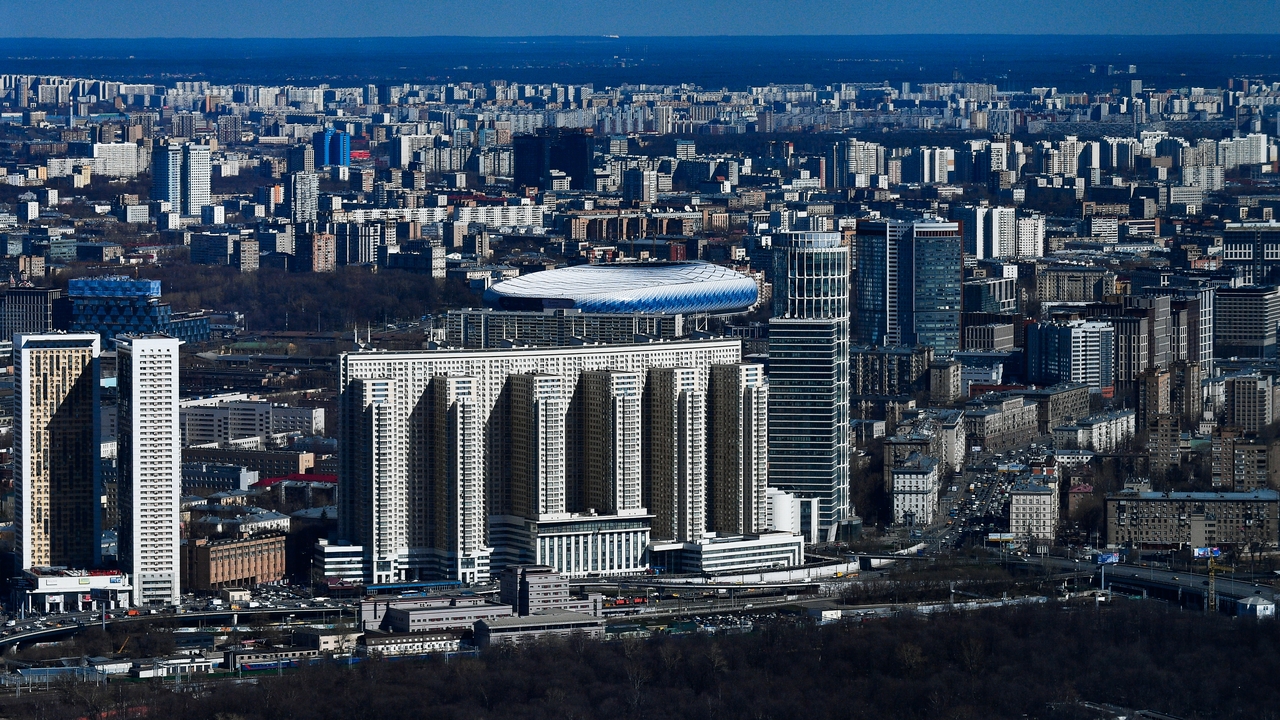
pixel 224 419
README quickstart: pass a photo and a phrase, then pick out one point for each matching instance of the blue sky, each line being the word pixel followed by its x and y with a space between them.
pixel 348 18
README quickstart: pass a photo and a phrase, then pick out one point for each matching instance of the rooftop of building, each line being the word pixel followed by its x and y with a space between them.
pixel 1264 495
pixel 56 571
pixel 916 462
pixel 1052 390
pixel 542 617
pixel 318 478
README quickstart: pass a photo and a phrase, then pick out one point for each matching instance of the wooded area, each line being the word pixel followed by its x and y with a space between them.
pixel 1033 662
pixel 270 298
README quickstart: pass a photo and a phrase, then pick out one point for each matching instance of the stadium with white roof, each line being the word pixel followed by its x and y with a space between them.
pixel 652 287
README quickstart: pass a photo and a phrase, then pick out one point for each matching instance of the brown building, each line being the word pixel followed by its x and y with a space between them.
pixel 315 252
pixel 1244 463
pixel 1196 519
pixel 245 562
pixel 268 463
pixel 998 422
pixel 1077 496
pixel 1059 405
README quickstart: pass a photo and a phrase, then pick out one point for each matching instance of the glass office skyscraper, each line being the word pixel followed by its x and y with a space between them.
pixel 809 372
pixel 909 284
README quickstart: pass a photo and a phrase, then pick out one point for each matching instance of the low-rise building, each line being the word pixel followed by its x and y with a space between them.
pixel 267 463
pixel 170 666
pixel 59 590
pixel 729 553
pixel 1101 433
pixel 915 490
pixel 428 614
pixel 531 588
pixel 238 562
pixel 1033 510
pixel 998 422
pixel 379 644
pixel 326 640
pixel 254 658
pixel 207 478
pixel 1058 404
pixel 337 565
pixel 221 419
pixel 548 623
pixel 1196 519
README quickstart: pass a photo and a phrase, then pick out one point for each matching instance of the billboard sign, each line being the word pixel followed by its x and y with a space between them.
pixel 1107 558
pixel 1205 553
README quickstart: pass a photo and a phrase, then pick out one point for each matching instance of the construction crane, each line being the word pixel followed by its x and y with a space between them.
pixel 1214 568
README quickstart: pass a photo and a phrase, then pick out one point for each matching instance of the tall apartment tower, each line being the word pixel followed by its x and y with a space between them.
pixel 197 171
pixel 458 512
pixel 56 435
pixel 989 232
pixel 809 372
pixel 562 460
pixel 738 459
pixel 675 460
pixel 301 158
pixel 973 224
pixel 611 443
pixel 1249 402
pixel 181 175
pixel 537 467
pixel 375 515
pixel 166 175
pixel 302 196
pixel 150 466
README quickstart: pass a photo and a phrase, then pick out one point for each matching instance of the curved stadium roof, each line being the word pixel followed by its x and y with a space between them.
pixel 658 287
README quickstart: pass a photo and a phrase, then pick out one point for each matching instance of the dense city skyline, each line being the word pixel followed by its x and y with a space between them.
pixel 874 366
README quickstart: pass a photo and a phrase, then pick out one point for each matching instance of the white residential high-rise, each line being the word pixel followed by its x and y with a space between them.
pixel 1030 236
pixel 197 171
pixel 55 450
pixel 181 175
pixel 302 196
pixel 150 466
pixel 377 513
pixel 456 529
pixel 1001 232
pixel 738 435
pixel 561 452
pixel 538 483
pixel 973 223
pixel 166 175
pixel 675 461
pixel 612 441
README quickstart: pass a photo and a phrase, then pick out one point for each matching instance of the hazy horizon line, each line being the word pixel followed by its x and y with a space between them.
pixel 636 37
